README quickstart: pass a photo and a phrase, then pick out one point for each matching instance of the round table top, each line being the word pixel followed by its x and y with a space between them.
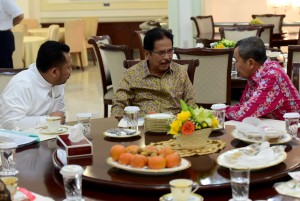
pixel 101 181
pixel 204 168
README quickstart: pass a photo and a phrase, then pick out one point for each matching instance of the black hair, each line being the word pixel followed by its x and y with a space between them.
pixel 51 54
pixel 155 34
pixel 252 47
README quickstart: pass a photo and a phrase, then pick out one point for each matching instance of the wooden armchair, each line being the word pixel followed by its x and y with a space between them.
pixel 293 57
pixel 276 20
pixel 205 29
pixel 295 78
pixel 212 80
pixel 141 35
pixel 110 59
pixel 6 74
pixel 239 32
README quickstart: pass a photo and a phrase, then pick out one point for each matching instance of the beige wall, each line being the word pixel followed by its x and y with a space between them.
pixel 117 11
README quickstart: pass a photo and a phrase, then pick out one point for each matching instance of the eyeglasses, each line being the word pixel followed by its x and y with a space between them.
pixel 163 53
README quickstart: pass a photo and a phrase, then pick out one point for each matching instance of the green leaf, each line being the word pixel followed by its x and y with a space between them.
pixel 184 106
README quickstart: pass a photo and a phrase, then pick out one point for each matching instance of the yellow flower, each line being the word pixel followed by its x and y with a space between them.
pixel 184 116
pixel 215 123
pixel 219 46
pixel 175 127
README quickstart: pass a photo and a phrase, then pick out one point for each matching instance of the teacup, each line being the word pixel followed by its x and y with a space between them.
pixel 11 184
pixel 181 189
pixel 53 123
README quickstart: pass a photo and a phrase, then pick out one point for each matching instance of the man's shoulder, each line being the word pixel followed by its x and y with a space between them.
pixel 178 68
pixel 136 68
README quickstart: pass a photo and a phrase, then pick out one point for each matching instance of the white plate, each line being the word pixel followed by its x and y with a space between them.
pixel 59 131
pixel 193 197
pixel 224 161
pixel 184 165
pixel 159 116
pixel 285 138
pixel 289 188
pixel 121 133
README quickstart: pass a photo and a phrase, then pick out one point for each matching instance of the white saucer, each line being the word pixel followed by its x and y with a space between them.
pixel 169 197
pixel 231 199
pixel 121 133
pixel 59 131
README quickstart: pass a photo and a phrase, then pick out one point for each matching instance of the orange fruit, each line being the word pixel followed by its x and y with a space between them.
pixel 156 162
pixel 173 160
pixel 116 151
pixel 132 149
pixel 125 158
pixel 138 161
pixel 166 151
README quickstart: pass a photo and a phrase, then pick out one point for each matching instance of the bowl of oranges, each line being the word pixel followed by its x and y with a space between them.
pixel 146 160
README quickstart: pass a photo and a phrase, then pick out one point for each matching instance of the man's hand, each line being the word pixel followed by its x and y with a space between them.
pixel 59 114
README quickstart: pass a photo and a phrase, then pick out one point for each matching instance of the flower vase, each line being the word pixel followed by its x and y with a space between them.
pixel 196 140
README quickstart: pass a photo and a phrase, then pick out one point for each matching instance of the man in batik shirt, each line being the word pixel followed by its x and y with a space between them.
pixel 156 84
pixel 269 92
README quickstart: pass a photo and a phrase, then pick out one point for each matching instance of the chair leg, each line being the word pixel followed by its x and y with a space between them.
pixel 80 59
pixel 105 111
pixel 93 55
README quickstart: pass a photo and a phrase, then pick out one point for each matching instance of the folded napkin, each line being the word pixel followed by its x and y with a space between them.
pixel 123 122
pixel 76 133
pixel 256 155
pixel 254 127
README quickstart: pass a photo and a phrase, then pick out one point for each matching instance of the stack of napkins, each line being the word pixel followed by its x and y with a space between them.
pixel 290 188
pixel 252 127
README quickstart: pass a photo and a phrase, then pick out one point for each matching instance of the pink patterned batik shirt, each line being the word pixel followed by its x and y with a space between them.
pixel 269 94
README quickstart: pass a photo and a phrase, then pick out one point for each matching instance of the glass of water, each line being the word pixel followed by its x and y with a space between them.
pixel 8 158
pixel 72 176
pixel 131 114
pixel 240 180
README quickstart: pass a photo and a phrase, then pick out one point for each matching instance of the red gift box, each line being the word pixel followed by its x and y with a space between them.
pixel 74 149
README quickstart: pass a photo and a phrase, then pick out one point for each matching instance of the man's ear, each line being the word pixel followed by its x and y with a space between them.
pixel 252 63
pixel 147 53
pixel 53 72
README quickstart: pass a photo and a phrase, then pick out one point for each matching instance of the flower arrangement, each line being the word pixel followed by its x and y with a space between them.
pixel 191 119
pixel 223 44
pixel 256 21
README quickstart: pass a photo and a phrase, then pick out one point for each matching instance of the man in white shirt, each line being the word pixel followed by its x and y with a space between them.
pixel 38 92
pixel 10 15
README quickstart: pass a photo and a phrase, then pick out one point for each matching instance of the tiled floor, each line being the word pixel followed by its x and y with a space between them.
pixel 83 93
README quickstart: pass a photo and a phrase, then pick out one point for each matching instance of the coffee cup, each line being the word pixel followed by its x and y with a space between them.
pixel 181 189
pixel 53 123
pixel 11 184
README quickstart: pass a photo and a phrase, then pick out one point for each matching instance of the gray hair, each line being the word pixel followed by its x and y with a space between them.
pixel 252 47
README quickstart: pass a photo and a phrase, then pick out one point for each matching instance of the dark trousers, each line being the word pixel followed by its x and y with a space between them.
pixel 7 47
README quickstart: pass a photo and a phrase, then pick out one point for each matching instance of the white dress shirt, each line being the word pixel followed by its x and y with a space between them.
pixel 8 11
pixel 27 99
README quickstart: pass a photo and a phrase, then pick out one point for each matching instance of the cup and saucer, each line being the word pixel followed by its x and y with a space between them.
pixel 59 130
pixel 193 197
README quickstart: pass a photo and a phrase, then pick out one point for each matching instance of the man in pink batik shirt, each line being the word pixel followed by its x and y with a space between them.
pixel 269 92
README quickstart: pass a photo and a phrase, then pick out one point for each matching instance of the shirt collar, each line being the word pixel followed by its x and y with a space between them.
pixel 147 73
